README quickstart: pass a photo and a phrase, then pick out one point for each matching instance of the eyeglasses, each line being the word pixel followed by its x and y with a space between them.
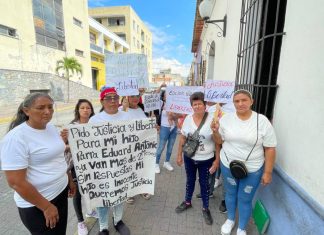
pixel 110 98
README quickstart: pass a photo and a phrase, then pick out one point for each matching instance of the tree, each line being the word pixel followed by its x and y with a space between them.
pixel 70 66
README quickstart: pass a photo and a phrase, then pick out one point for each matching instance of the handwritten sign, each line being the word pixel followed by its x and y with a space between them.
pixel 219 91
pixel 121 66
pixel 127 87
pixel 178 98
pixel 114 160
pixel 151 102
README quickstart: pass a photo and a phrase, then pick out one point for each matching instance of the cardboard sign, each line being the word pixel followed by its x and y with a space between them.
pixel 178 98
pixel 151 102
pixel 219 91
pixel 122 66
pixel 127 87
pixel 114 160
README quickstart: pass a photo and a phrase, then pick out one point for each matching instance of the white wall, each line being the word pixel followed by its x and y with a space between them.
pixel 299 109
pixel 225 48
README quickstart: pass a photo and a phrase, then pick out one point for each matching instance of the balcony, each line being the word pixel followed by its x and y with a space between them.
pixel 96 48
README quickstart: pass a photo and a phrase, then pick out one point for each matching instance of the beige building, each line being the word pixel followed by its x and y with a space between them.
pixel 34 34
pixel 123 21
pixel 170 79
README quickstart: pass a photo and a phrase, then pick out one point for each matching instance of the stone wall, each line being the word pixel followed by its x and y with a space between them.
pixel 15 85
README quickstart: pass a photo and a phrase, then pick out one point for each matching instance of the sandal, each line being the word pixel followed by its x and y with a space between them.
pixel 146 196
pixel 130 200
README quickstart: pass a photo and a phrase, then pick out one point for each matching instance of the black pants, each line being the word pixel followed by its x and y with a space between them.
pixel 34 220
pixel 77 198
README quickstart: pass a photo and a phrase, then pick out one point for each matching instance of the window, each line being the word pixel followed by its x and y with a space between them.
pixel 116 21
pixel 134 41
pixel 93 38
pixel 94 59
pixel 260 38
pixel 142 35
pixel 137 29
pixel 48 23
pixel 134 25
pixel 78 52
pixel 122 36
pixel 77 22
pixel 7 31
pixel 99 20
pixel 138 45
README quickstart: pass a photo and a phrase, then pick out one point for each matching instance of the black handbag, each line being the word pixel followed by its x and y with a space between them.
pixel 238 168
pixel 192 141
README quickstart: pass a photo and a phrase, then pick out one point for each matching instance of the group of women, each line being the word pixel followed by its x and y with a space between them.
pixel 32 156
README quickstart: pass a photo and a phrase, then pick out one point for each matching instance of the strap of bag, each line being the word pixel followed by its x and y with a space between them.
pixel 201 123
pixel 254 143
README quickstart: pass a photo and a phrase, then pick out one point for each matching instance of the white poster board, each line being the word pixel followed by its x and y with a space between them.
pixel 219 91
pixel 127 87
pixel 178 98
pixel 151 102
pixel 114 160
pixel 122 66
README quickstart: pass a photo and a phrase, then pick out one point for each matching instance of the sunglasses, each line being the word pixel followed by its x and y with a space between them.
pixel 110 98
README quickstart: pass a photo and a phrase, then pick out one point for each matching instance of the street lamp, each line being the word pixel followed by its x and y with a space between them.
pixel 205 10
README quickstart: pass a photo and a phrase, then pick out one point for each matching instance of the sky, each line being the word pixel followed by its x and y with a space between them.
pixel 171 23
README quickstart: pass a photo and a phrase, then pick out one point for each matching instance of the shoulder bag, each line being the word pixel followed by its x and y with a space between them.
pixel 192 141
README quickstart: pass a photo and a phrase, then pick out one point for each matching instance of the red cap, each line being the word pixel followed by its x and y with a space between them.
pixel 108 90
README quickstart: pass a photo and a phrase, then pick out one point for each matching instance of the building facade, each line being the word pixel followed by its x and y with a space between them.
pixel 124 22
pixel 270 51
pixel 102 41
pixel 34 34
pixel 167 77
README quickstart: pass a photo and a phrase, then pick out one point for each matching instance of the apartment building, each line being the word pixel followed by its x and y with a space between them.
pixel 124 22
pixel 34 34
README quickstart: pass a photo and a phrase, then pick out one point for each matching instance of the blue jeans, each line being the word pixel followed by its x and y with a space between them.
pixel 166 135
pixel 103 213
pixel 203 170
pixel 240 193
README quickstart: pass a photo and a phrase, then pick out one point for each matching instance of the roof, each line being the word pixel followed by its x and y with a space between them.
pixel 198 28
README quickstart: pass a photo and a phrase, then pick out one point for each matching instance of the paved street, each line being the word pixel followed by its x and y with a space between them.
pixel 145 217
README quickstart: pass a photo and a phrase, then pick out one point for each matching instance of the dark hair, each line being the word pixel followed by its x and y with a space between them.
pixel 197 96
pixel 29 100
pixel 244 92
pixel 162 95
pixel 77 107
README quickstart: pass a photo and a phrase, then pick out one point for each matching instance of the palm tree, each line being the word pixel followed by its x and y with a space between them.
pixel 69 65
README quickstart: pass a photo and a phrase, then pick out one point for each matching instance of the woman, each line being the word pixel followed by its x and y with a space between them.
pixel 203 160
pixel 32 157
pixel 168 134
pixel 242 134
pixel 82 113
pixel 130 105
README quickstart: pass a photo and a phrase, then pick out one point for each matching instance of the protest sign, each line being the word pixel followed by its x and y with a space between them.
pixel 178 98
pixel 122 66
pixel 151 102
pixel 219 91
pixel 114 160
pixel 127 87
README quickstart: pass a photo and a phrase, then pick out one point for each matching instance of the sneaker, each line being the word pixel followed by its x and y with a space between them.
pixel 146 196
pixel 130 200
pixel 199 195
pixel 182 207
pixel 122 228
pixel 82 228
pixel 157 169
pixel 168 166
pixel 92 214
pixel 227 227
pixel 222 207
pixel 240 232
pixel 218 182
pixel 104 232
pixel 207 216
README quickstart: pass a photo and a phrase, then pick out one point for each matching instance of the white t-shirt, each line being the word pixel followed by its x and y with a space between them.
pixel 41 152
pixel 165 120
pixel 103 116
pixel 134 113
pixel 226 108
pixel 239 137
pixel 206 147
